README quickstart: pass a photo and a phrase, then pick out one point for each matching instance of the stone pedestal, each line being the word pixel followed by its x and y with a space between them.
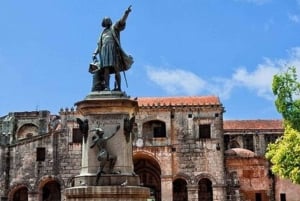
pixel 107 193
pixel 107 180
pixel 112 112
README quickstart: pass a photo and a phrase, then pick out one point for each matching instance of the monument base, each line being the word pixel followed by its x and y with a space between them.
pixel 106 94
pixel 107 193
pixel 107 180
pixel 108 110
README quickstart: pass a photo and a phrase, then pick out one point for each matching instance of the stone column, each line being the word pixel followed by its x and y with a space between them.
pixel 192 191
pixel 219 192
pixel 33 196
pixel 166 188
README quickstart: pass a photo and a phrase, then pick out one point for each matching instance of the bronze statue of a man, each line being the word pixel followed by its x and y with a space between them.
pixel 112 58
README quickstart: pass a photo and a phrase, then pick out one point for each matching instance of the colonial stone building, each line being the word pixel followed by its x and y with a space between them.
pixel 248 172
pixel 183 150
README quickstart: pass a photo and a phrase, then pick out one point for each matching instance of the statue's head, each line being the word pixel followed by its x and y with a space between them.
pixel 106 22
pixel 99 131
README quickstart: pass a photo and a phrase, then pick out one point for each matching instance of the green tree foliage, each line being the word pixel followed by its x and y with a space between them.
pixel 284 154
pixel 287 90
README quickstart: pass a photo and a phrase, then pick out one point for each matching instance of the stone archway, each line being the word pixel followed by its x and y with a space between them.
pixel 51 191
pixel 27 130
pixel 205 190
pixel 149 171
pixel 49 183
pixel 20 194
pixel 180 190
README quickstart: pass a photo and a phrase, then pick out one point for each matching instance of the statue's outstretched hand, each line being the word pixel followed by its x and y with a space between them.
pixel 128 10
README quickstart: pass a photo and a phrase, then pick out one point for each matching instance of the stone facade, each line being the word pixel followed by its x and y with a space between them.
pixel 249 178
pixel 40 158
pixel 185 137
pixel 248 173
pixel 182 150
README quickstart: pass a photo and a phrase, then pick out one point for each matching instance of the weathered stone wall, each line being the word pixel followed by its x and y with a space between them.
pixel 24 167
pixel 69 151
pixel 199 156
pixel 61 162
pixel 252 177
pixel 182 154
pixel 287 188
pixel 2 171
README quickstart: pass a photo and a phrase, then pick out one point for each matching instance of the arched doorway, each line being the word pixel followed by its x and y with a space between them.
pixel 20 194
pixel 149 171
pixel 205 191
pixel 51 191
pixel 180 190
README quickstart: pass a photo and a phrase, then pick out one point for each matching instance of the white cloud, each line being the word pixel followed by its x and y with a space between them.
pixel 294 59
pixel 260 80
pixel 221 87
pixel 178 81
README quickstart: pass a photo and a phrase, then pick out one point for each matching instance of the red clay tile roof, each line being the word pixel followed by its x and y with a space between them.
pixel 185 100
pixel 252 124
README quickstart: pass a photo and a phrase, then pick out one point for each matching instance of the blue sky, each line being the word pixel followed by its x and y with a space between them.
pixel 227 48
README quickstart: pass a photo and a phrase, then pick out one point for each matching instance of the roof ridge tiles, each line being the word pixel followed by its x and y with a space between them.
pixel 180 100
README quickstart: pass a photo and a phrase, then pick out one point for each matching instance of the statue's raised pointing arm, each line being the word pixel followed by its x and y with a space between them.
pixel 124 18
pixel 112 58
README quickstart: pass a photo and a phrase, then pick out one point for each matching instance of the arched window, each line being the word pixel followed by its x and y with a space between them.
pixel 205 191
pixel 21 194
pixel 180 190
pixel 27 130
pixel 155 129
pixel 51 191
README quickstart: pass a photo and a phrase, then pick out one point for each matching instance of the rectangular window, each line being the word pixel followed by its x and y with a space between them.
pixel 248 142
pixel 204 131
pixel 270 138
pixel 257 196
pixel 40 154
pixel 159 132
pixel 77 136
pixel 282 197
